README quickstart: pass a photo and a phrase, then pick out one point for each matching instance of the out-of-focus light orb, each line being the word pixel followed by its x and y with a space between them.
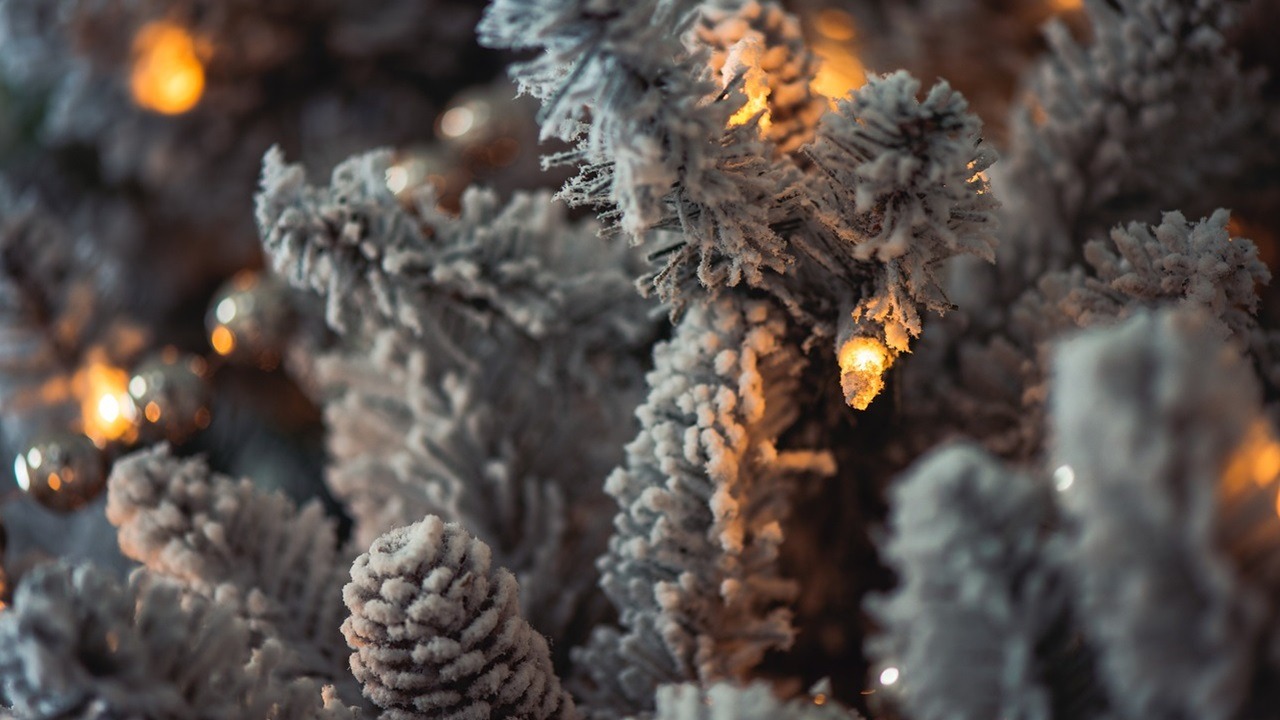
pixel 457 121
pixel 167 75
pixel 1063 478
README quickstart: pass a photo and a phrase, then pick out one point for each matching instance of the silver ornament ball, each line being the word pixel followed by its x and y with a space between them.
pixel 250 318
pixel 62 472
pixel 171 395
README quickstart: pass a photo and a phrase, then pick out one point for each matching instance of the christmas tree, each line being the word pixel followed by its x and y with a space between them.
pixel 661 359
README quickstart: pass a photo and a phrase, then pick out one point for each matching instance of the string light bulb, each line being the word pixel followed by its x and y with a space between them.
pixel 167 75
pixel 106 411
pixel 863 362
pixel 1063 478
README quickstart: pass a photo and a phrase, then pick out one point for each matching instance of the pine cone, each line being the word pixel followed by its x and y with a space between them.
pixel 437 632
pixel 789 65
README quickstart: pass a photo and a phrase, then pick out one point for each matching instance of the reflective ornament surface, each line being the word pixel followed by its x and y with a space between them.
pixel 171 396
pixel 249 319
pixel 63 472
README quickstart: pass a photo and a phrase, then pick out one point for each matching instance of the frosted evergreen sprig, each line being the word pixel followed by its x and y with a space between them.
pixel 520 265
pixel 692 566
pixel 1176 553
pixel 998 392
pixel 76 644
pixel 899 188
pixel 616 78
pixel 661 147
pixel 657 145
pixel 487 322
pixel 982 47
pixel 281 566
pixel 971 544
pixel 475 449
pixel 1139 120
pixel 436 631
pixel 726 701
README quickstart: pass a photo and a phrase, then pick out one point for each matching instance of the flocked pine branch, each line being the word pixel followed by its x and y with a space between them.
pixel 1138 120
pixel 436 631
pixel 279 565
pixel 488 323
pixel 1176 555
pixel 980 625
pixel 739 205
pixel 997 393
pixel 725 701
pixel 75 644
pixel 475 448
pixel 521 266
pixel 656 142
pixel 692 566
pixel 981 47
pixel 617 78
pixel 899 189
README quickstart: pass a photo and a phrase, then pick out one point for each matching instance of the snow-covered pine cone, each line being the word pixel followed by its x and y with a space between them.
pixel 788 63
pixel 437 632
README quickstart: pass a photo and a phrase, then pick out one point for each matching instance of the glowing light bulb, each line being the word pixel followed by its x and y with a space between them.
pixel 106 409
pixel 889 676
pixel 222 340
pixel 167 75
pixel 226 310
pixel 1063 478
pixel 458 121
pixel 863 362
pixel 109 408
pixel 21 475
pixel 1254 465
pixel 397 181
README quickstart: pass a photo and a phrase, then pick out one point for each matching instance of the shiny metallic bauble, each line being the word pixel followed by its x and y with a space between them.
pixel 171 395
pixel 63 472
pixel 250 319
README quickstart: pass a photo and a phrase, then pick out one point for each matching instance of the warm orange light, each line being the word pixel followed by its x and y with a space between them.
pixel 863 362
pixel 1254 464
pixel 833 41
pixel 1062 6
pixel 756 86
pixel 840 73
pixel 222 340
pixel 167 76
pixel 835 24
pixel 106 410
